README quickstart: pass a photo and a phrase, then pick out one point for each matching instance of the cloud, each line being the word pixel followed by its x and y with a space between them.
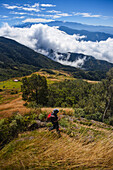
pixel 30 9
pixel 54 11
pixel 64 59
pixel 25 7
pixel 48 5
pixel 18 13
pixel 36 20
pixel 88 15
pixel 35 5
pixel 59 15
pixel 42 38
pixel 78 63
pixel 3 16
pixel 11 7
pixel 19 17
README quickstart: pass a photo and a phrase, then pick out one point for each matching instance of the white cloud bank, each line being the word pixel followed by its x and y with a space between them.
pixel 36 20
pixel 86 15
pixel 41 36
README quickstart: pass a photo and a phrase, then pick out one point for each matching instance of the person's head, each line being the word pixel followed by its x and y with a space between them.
pixel 55 111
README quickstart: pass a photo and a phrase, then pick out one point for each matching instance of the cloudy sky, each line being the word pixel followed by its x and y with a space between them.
pixel 96 12
pixel 42 38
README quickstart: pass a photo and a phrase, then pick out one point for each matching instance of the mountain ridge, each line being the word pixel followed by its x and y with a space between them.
pixel 89 36
pixel 17 60
pixel 73 25
pixel 80 60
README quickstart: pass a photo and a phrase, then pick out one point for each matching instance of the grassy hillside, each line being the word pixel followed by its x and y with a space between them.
pixel 10 95
pixel 83 145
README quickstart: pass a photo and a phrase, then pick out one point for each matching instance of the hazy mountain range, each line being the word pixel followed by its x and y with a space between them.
pixel 74 25
pixel 89 36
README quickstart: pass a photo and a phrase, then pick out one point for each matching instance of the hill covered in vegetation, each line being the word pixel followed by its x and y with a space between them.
pixel 83 144
pixel 17 60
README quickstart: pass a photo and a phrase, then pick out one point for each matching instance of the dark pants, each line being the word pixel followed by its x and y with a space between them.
pixel 55 126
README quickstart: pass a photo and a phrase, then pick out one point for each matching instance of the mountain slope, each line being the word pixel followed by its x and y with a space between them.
pixel 82 61
pixel 90 36
pixel 18 60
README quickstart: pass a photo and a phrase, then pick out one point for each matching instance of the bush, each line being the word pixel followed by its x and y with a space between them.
pixel 14 92
pixel 111 121
pixel 42 116
pixel 79 112
pixel 49 124
pixel 32 104
pixel 97 116
pixel 10 127
pixel 64 122
pixel 25 104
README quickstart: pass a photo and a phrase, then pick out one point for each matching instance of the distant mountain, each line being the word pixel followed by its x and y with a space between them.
pixel 82 61
pixel 74 25
pixel 79 26
pixel 90 36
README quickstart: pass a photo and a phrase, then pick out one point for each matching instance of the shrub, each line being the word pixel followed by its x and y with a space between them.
pixel 2 122
pixel 25 104
pixel 79 112
pixel 42 116
pixel 49 124
pixel 97 116
pixel 32 104
pixel 10 127
pixel 111 121
pixel 64 122
pixel 14 92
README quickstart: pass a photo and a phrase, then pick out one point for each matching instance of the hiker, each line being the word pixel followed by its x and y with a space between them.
pixel 54 119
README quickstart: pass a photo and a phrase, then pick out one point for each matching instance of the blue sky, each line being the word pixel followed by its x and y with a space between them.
pixel 94 12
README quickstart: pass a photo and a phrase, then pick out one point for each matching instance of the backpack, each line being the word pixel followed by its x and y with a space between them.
pixel 49 117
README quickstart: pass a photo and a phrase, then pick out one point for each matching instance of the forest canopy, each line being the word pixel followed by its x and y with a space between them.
pixel 92 101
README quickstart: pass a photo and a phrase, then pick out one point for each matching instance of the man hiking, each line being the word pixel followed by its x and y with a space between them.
pixel 54 119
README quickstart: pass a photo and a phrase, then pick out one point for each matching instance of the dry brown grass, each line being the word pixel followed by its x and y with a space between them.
pixel 46 151
pixel 68 111
pixel 16 105
pixel 92 82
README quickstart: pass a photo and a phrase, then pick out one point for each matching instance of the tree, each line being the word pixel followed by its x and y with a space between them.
pixel 35 88
pixel 109 94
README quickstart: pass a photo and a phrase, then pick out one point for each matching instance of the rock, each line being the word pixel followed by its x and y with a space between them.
pixel 36 124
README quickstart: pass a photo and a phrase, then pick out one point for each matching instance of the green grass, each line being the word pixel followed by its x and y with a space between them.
pixel 10 84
